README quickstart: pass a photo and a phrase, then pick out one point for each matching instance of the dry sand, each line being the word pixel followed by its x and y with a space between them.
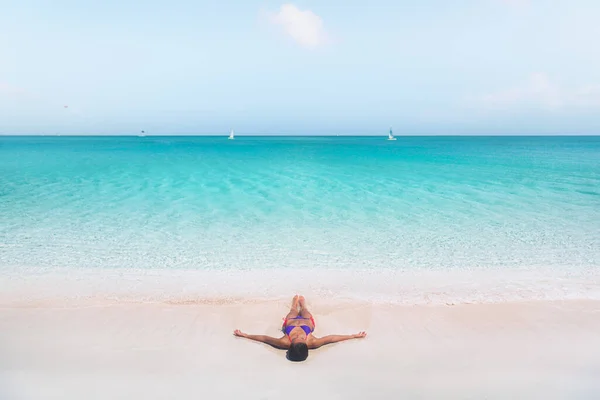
pixel 160 350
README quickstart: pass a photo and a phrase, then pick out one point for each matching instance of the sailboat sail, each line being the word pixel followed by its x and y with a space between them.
pixel 231 137
pixel 391 135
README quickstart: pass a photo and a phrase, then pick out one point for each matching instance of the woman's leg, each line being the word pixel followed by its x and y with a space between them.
pixel 294 308
pixel 304 313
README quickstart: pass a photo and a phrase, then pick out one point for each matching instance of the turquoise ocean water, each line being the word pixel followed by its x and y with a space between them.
pixel 273 203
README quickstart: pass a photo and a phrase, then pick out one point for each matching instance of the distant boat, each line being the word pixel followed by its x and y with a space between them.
pixel 142 134
pixel 231 136
pixel 391 135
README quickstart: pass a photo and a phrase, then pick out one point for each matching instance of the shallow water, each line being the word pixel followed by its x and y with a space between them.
pixel 325 203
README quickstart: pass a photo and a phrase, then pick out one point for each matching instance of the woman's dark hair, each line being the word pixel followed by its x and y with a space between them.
pixel 298 352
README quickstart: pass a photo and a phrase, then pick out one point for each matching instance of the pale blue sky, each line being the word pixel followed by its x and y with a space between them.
pixel 306 67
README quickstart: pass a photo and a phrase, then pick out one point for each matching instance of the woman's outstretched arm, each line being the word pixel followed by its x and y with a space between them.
pixel 336 338
pixel 279 343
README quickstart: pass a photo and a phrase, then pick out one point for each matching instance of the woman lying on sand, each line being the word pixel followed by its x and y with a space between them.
pixel 298 327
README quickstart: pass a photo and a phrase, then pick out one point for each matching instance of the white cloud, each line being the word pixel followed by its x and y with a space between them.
pixel 587 96
pixel 540 92
pixel 10 90
pixel 305 27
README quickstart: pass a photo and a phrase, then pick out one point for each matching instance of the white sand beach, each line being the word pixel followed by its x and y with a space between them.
pixel 166 350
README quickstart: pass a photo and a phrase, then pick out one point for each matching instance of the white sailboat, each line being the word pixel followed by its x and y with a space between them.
pixel 231 137
pixel 391 135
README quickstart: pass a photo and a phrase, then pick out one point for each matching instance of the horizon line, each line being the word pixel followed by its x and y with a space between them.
pixel 291 135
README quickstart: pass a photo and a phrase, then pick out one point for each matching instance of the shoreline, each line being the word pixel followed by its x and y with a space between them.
pixel 26 287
